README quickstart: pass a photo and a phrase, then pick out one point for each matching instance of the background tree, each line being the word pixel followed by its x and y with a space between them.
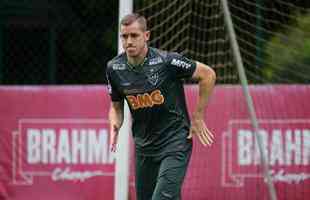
pixel 288 53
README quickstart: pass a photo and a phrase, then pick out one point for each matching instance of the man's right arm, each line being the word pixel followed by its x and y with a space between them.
pixel 116 118
pixel 116 113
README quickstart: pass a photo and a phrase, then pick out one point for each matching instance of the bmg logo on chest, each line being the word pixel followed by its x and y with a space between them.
pixel 146 100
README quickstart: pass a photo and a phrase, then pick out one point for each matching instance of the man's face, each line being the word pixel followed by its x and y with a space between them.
pixel 134 39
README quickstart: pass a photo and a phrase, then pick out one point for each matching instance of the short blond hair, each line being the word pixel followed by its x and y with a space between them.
pixel 134 17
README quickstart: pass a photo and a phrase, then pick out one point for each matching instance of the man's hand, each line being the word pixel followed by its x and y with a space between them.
pixel 199 128
pixel 114 130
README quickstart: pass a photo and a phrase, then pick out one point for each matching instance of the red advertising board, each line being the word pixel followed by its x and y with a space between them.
pixel 54 144
pixel 230 169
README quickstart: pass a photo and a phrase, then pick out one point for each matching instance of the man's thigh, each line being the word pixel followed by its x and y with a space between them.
pixel 171 175
pixel 146 176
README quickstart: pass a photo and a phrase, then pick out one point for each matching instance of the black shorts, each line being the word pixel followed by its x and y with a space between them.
pixel 161 177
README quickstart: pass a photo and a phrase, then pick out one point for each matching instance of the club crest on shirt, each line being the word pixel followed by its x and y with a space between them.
pixel 153 78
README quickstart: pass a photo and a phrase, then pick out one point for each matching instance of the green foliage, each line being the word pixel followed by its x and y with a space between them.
pixel 288 53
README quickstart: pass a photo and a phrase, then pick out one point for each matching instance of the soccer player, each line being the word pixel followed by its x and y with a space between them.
pixel 150 80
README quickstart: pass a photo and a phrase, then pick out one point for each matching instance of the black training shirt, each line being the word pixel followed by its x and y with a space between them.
pixel 154 92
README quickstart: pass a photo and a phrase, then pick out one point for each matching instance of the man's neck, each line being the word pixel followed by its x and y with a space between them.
pixel 138 60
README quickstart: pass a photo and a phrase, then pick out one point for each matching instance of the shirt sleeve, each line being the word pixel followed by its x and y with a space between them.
pixel 113 92
pixel 180 66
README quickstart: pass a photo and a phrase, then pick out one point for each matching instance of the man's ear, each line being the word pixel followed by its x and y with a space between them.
pixel 147 35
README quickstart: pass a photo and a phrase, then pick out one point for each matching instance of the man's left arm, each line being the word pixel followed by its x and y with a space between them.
pixel 206 77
